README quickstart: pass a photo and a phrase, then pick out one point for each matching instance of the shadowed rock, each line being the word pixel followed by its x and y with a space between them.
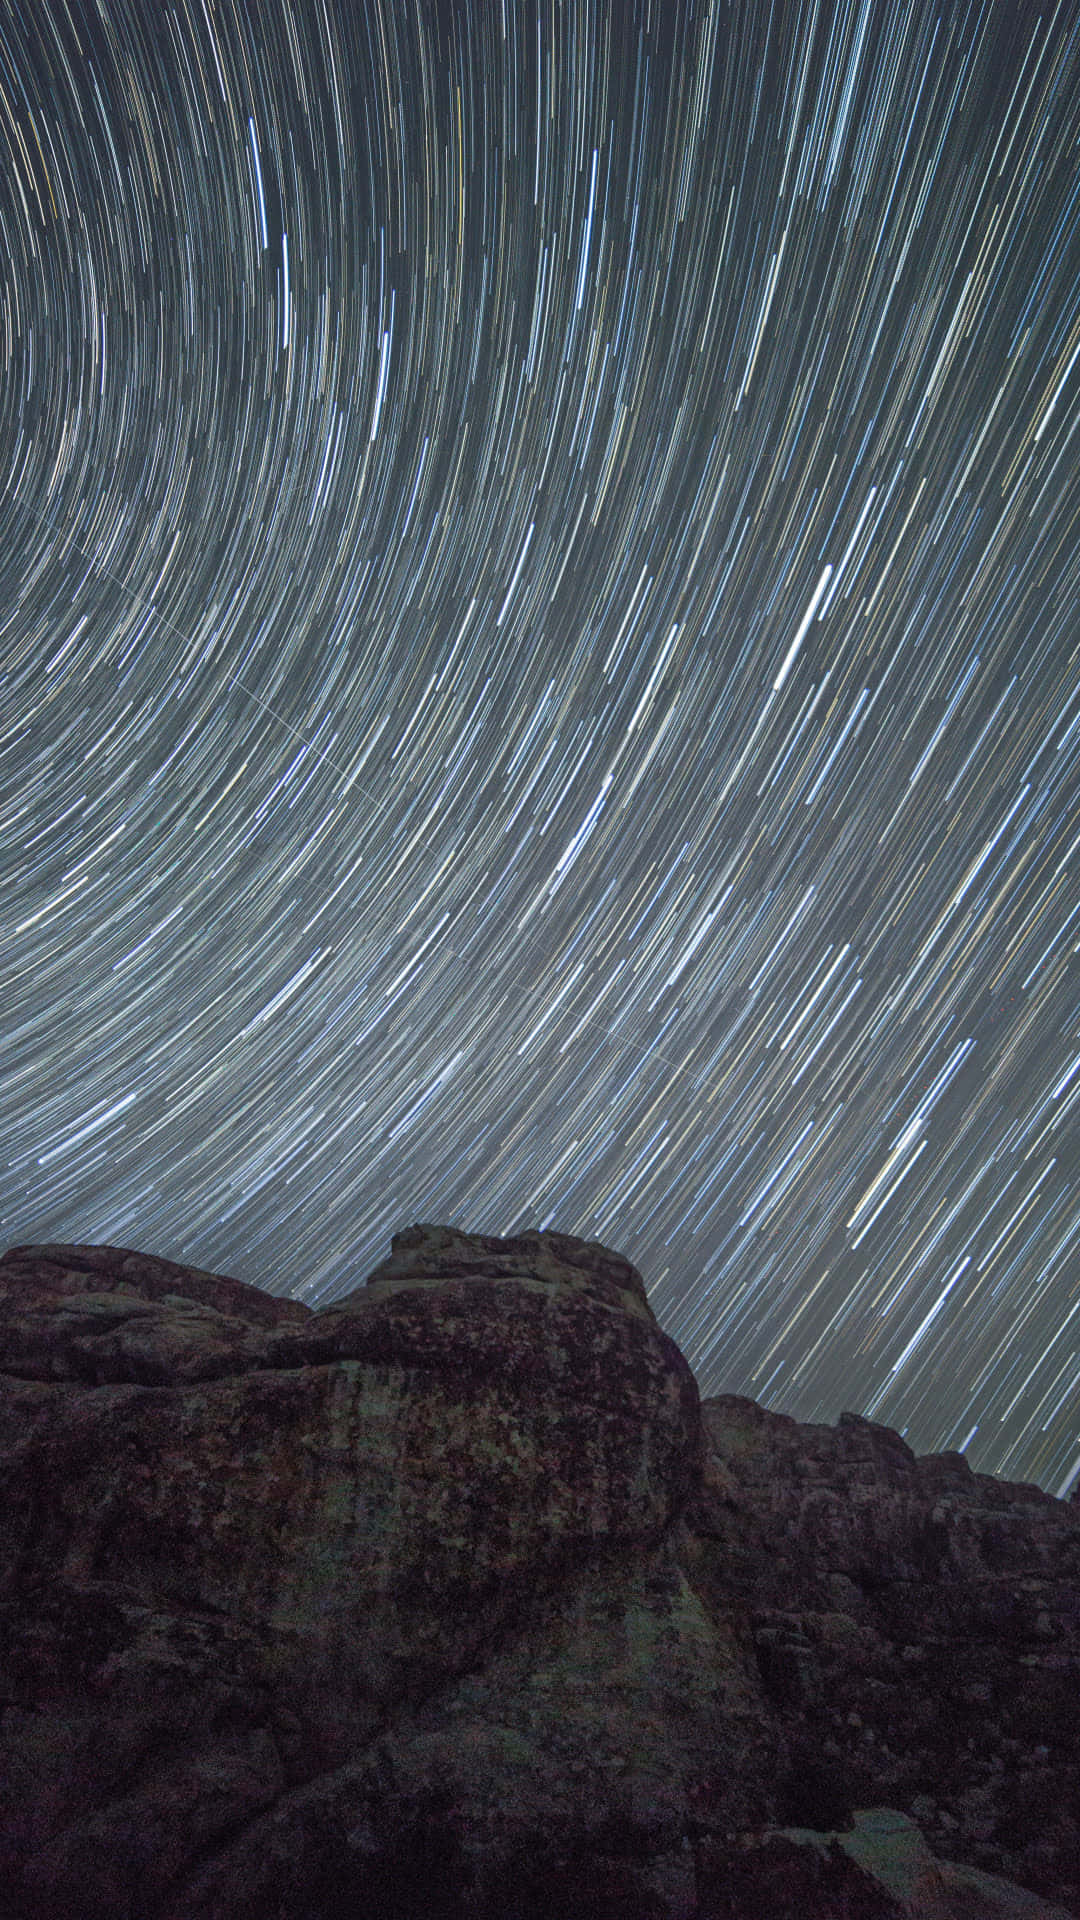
pixel 452 1599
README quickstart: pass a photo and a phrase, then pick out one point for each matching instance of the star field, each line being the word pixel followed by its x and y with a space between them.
pixel 539 664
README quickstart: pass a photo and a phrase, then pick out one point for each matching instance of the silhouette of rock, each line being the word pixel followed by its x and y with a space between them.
pixel 452 1599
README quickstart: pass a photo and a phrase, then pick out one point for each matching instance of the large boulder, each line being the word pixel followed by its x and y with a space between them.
pixel 240 1538
pixel 452 1599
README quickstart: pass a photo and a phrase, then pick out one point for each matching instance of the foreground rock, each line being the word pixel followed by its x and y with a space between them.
pixel 453 1600
pixel 917 1628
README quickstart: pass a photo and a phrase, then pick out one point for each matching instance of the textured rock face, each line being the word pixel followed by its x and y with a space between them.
pixel 917 1628
pixel 452 1599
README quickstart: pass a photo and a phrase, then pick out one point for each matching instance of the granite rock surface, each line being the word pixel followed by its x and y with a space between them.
pixel 453 1599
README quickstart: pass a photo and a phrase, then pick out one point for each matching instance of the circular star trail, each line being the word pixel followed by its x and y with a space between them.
pixel 540 675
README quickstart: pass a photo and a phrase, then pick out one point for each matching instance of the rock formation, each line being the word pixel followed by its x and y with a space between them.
pixel 453 1600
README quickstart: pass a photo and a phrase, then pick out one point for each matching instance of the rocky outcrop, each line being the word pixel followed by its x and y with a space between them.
pixel 917 1630
pixel 452 1599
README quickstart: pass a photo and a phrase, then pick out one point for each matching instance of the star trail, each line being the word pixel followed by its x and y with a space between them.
pixel 540 665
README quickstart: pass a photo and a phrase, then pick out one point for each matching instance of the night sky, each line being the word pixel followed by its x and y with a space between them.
pixel 540 668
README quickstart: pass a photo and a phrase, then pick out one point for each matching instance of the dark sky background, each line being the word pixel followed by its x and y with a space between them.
pixel 540 662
